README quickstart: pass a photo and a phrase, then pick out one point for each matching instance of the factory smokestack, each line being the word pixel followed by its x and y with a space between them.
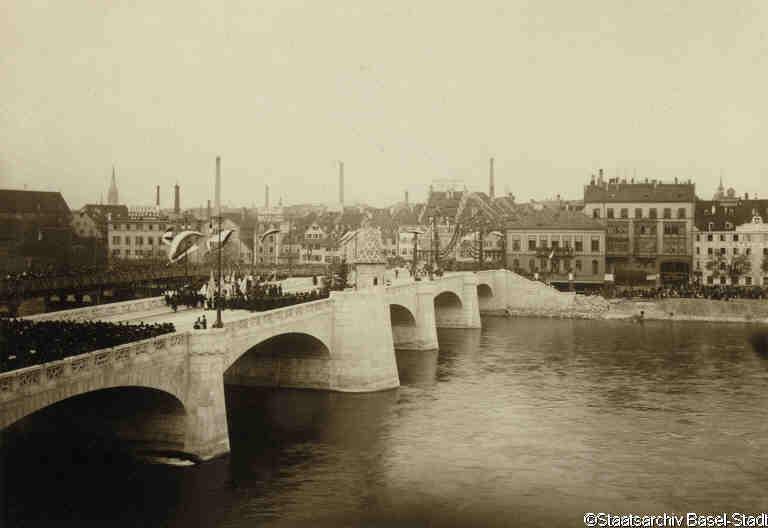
pixel 218 185
pixel 266 197
pixel 176 199
pixel 492 187
pixel 157 196
pixel 341 183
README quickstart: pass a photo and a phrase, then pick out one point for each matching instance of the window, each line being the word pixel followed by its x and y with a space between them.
pixel 722 237
pixel 116 252
pixel 151 227
pixel 150 241
pixel 609 213
pixel 765 252
pixel 139 240
pixel 667 212
pixel 748 251
pixel 709 251
pixel 544 241
pixel 578 244
pixel 127 241
pixel 748 280
pixel 722 266
pixel 624 212
pixel 638 212
pixel 515 264
pixel 127 252
pixel 728 226
pixel 710 280
pixel 698 250
pixel 710 227
pixel 115 240
pixel 578 265
pixel 516 244
pixel 555 243
pixel 595 213
pixel 531 243
pixel 735 237
pixel 735 251
pixel 698 237
pixel 722 280
pixel 698 264
pixel 671 228
pixel 595 246
pixel 532 265
pixel 709 238
pixel 595 267
pixel 681 212
pixel 652 213
pixel 722 251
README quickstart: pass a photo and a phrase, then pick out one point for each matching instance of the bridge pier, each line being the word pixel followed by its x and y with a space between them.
pixel 493 291
pixel 417 330
pixel 207 435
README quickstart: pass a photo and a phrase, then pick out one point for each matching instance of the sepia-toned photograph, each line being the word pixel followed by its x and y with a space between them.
pixel 419 264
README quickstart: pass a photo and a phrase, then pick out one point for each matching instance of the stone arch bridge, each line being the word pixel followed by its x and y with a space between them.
pixel 344 343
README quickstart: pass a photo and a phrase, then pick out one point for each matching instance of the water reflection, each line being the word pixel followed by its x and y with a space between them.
pixel 527 422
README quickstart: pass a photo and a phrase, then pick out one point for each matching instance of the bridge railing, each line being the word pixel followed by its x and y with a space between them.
pixel 281 315
pixel 40 377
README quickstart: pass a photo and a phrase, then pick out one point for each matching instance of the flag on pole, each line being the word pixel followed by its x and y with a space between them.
pixel 552 254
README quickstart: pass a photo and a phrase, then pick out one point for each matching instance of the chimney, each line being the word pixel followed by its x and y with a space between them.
pixel 600 175
pixel 341 183
pixel 746 196
pixel 176 199
pixel 157 196
pixel 218 185
pixel 266 197
pixel 492 187
pixel 406 197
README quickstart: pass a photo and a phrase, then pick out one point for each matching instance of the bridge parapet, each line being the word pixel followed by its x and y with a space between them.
pixel 94 313
pixel 26 390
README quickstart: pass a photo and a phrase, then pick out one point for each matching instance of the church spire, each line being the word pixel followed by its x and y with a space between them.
pixel 112 195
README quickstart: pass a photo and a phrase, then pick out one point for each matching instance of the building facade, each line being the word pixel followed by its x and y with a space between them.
pixel 731 241
pixel 139 236
pixel 558 246
pixel 649 228
pixel 35 230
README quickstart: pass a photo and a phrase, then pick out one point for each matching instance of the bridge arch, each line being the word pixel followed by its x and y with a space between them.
pixel 484 296
pixel 146 418
pixel 449 309
pixel 404 327
pixel 286 359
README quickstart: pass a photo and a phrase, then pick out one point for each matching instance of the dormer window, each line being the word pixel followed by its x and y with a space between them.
pixel 728 226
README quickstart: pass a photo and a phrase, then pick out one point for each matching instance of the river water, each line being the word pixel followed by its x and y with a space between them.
pixel 529 422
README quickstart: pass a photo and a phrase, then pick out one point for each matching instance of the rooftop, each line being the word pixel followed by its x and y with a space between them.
pixel 654 191
pixel 548 218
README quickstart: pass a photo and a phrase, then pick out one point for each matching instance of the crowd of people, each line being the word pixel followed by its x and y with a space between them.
pixel 244 292
pixel 24 343
pixel 687 291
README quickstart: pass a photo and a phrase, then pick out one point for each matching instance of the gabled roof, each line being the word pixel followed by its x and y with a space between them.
pixel 32 202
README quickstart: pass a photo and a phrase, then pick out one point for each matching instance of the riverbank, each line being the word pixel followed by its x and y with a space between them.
pixel 704 310
pixel 595 307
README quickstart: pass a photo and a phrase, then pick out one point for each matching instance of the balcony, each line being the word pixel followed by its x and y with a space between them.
pixel 562 252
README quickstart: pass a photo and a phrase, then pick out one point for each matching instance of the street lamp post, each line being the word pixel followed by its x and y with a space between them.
pixel 219 323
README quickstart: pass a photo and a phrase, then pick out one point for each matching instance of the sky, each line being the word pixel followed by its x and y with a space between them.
pixel 403 92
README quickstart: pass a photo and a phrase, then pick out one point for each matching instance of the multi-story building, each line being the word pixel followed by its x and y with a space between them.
pixel 731 240
pixel 649 227
pixel 35 230
pixel 139 236
pixel 559 246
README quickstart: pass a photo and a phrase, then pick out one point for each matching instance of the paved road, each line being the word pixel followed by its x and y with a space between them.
pixel 184 319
